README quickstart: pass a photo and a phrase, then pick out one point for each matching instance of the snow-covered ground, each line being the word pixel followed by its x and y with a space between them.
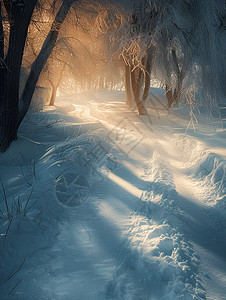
pixel 100 203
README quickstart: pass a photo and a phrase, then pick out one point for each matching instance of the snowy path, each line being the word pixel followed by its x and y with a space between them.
pixel 119 232
pixel 154 224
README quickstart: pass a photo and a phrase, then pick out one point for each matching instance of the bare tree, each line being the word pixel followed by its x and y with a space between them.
pixel 13 109
pixel 19 16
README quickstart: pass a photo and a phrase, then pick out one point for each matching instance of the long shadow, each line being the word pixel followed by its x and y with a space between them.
pixel 192 219
pixel 93 219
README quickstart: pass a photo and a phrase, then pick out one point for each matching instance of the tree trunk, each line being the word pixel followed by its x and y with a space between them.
pixel 169 96
pixel 41 59
pixel 53 93
pixel 177 93
pixel 136 78
pixel 55 87
pixel 8 129
pixel 180 77
pixel 147 75
pixel 147 82
pixel 128 86
pixel 53 96
pixel 10 72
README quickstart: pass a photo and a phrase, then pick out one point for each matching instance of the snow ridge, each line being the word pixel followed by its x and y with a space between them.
pixel 208 171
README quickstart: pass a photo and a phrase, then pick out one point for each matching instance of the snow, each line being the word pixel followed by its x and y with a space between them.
pixel 100 203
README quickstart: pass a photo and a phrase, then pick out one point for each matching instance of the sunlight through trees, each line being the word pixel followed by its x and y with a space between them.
pixel 75 45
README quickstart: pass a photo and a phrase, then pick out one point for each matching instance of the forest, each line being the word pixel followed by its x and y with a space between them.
pixel 90 44
pixel 112 149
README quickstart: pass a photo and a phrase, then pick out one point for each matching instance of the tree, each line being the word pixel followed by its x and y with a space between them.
pixel 13 109
pixel 19 15
pixel 130 37
pixel 186 41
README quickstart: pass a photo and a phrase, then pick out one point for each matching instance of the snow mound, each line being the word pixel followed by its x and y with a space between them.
pixel 208 168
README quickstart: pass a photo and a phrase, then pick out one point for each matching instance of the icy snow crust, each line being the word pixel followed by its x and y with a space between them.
pixel 99 203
